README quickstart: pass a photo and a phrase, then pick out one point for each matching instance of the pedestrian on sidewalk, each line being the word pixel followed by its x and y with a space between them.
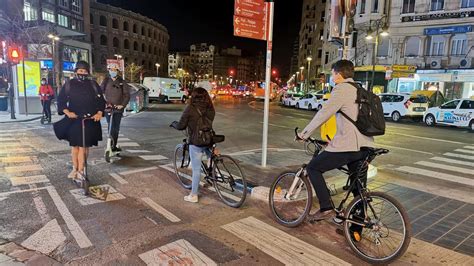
pixel 46 94
pixel 117 96
pixel 81 97
pixel 200 107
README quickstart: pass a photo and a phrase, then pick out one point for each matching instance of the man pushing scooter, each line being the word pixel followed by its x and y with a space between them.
pixel 117 95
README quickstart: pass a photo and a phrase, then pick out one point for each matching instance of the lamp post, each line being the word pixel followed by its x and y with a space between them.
pixel 54 39
pixel 157 69
pixel 375 47
pixel 309 58
pixel 301 77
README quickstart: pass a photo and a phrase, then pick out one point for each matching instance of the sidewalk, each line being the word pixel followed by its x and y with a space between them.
pixel 15 255
pixel 5 117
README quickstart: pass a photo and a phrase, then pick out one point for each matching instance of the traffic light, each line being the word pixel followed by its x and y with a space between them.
pixel 14 54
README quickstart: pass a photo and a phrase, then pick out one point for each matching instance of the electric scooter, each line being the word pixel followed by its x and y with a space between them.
pixel 109 152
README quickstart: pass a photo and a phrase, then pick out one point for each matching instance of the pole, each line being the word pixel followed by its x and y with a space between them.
pixel 374 58
pixel 307 78
pixel 24 84
pixel 53 53
pixel 268 70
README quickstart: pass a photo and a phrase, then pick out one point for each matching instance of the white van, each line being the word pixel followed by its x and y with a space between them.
pixel 164 89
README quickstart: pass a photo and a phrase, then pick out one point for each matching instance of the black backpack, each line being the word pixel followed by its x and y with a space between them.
pixel 370 120
pixel 203 134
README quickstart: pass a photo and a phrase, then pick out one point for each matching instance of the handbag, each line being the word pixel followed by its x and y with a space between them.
pixel 61 128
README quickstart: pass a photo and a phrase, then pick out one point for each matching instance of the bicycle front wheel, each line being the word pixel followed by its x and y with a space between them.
pixel 290 199
pixel 378 232
pixel 182 166
pixel 229 181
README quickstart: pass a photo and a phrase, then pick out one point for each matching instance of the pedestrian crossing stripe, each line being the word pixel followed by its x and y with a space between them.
pixel 446 167
pixel 286 248
pixel 447 160
pixel 437 175
pixel 180 252
pixel 17 159
pixel 457 155
pixel 469 147
pixel 23 168
pixel 28 180
pixel 464 151
pixel 153 157
pixel 129 144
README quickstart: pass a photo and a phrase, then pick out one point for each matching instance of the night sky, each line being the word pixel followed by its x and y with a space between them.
pixel 191 21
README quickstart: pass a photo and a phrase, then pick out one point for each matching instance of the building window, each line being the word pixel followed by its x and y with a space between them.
pixel 412 47
pixel 408 6
pixel 92 19
pixel 383 48
pixel 48 15
pixel 323 16
pixel 116 43
pixel 321 34
pixel 64 3
pixel 126 44
pixel 467 3
pixel 30 12
pixel 143 48
pixel 437 5
pixel 115 23
pixel 143 31
pixel 125 26
pixel 150 49
pixel 92 38
pixel 76 6
pixel 436 46
pixel 135 46
pixel 103 21
pixel 103 40
pixel 375 6
pixel 459 44
pixel 362 7
pixel 63 21
pixel 310 41
pixel 320 53
pixel 135 28
pixel 76 25
pixel 149 33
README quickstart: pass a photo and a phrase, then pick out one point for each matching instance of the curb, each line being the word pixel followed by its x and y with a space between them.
pixel 20 121
pixel 262 193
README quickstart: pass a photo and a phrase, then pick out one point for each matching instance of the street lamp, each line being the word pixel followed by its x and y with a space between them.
pixel 54 39
pixel 375 47
pixel 309 58
pixel 157 69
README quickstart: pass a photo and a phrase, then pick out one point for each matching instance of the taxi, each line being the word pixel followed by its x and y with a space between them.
pixel 459 112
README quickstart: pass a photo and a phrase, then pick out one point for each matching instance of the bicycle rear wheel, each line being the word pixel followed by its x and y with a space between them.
pixel 229 181
pixel 182 166
pixel 387 231
pixel 290 199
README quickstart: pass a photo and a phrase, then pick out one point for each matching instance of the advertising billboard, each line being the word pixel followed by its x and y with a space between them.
pixel 32 80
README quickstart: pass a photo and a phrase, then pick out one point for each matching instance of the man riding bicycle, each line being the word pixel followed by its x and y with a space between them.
pixel 117 95
pixel 345 147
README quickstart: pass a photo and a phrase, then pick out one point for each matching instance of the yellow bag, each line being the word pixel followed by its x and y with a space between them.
pixel 329 128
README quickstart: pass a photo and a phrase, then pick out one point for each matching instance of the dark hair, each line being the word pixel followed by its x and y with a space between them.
pixel 200 95
pixel 345 68
pixel 82 65
pixel 43 79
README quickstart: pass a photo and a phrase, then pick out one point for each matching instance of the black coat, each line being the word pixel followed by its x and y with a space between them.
pixel 190 117
pixel 84 100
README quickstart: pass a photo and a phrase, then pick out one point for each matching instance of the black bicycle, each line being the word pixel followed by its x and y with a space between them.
pixel 375 224
pixel 223 173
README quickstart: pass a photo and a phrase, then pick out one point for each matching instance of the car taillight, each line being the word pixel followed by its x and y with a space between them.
pixel 407 104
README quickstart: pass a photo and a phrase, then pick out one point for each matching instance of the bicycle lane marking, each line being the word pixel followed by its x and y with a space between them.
pixel 284 247
pixel 161 210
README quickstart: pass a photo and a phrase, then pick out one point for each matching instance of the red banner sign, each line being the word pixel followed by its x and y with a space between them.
pixel 250 8
pixel 249 19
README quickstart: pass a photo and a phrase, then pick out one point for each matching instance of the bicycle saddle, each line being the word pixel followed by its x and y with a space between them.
pixel 218 138
pixel 376 151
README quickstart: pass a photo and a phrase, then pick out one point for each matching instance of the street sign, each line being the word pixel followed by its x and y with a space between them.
pixel 249 28
pixel 250 8
pixel 402 68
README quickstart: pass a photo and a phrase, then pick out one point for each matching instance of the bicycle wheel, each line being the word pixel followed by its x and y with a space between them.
pixel 387 231
pixel 290 199
pixel 229 181
pixel 182 166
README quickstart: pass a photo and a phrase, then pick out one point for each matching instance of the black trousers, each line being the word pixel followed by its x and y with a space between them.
pixel 114 131
pixel 46 108
pixel 327 161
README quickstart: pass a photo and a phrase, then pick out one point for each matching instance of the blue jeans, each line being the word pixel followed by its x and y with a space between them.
pixel 196 154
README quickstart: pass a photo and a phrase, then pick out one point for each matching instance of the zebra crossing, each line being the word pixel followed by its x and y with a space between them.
pixel 456 166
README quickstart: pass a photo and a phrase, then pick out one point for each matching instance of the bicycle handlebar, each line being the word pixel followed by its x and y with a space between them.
pixel 318 144
pixel 311 140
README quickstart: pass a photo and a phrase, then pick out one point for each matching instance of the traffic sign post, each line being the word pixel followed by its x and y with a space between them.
pixel 249 28
pixel 268 73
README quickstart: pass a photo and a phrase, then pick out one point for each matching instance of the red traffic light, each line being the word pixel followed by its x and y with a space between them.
pixel 14 54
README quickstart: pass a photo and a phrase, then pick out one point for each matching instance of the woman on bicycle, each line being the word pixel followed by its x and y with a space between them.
pixel 81 97
pixel 200 105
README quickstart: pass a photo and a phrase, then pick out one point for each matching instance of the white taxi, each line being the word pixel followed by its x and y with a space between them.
pixel 310 101
pixel 458 113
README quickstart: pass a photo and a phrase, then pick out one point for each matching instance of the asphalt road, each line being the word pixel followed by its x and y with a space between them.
pixel 145 219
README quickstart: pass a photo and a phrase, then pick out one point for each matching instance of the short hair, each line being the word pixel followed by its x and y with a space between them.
pixel 345 68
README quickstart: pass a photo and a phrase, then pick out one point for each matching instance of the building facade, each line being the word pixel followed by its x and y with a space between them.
pixel 138 39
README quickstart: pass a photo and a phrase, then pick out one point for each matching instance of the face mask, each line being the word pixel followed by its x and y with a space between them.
pixel 331 82
pixel 43 83
pixel 82 77
pixel 113 74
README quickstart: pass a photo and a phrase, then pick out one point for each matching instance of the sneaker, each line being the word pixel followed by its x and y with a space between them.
pixel 72 174
pixel 321 215
pixel 117 149
pixel 191 198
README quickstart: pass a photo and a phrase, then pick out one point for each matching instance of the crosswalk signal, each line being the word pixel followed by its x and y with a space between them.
pixel 14 54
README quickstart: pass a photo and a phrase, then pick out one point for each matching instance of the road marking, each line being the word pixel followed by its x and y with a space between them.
pixel 447 160
pixel 180 252
pixel 437 175
pixel 138 170
pixel 123 139
pixel 286 248
pixel 153 157
pixel 447 167
pixel 138 151
pixel 47 239
pixel 404 149
pixel 425 138
pixel 456 155
pixel 71 223
pixel 161 210
pixel 129 144
pixel 40 207
pixel 113 195
pixel 7 139
pixel 8 193
pixel 17 159
pixel 16 151
pixel 464 151
pixel 469 147
pixel 28 180
pixel 23 168
pixel 118 178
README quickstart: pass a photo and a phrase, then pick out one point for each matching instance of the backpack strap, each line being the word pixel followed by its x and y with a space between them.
pixel 357 86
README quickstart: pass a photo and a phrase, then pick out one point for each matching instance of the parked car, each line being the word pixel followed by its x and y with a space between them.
pixel 290 99
pixel 399 105
pixel 310 102
pixel 458 113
